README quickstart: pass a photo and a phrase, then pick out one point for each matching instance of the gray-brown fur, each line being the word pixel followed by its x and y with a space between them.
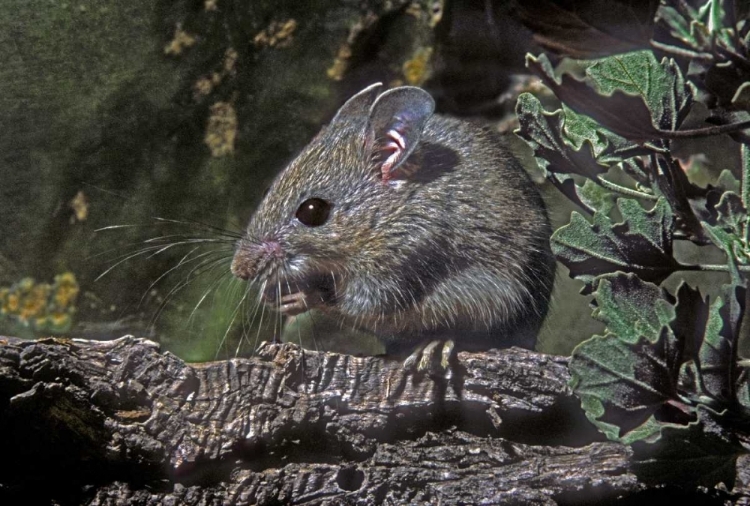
pixel 453 243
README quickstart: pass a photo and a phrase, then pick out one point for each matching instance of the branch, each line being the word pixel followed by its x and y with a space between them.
pixel 705 132
pixel 120 422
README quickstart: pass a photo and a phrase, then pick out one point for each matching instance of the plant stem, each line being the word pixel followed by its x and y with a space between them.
pixel 705 132
pixel 712 267
pixel 624 190
pixel 681 52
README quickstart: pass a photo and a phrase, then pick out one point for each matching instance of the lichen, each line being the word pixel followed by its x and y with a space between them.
pixel 344 53
pixel 41 307
pixel 206 84
pixel 277 34
pixel 416 70
pixel 221 130
pixel 80 206
pixel 179 42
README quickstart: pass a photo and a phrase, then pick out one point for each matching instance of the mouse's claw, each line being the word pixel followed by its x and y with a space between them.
pixel 434 356
pixel 293 304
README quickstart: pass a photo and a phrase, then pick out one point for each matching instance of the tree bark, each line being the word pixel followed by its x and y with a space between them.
pixel 119 422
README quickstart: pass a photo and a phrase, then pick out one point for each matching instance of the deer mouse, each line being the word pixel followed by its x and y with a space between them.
pixel 418 228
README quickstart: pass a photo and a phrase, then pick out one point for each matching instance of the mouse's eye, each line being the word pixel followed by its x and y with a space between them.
pixel 313 212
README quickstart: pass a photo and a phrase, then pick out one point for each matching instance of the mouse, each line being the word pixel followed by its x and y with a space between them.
pixel 421 229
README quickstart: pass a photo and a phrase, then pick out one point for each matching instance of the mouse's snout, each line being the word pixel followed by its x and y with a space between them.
pixel 251 259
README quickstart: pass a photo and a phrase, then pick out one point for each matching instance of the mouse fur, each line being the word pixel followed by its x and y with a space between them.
pixel 433 229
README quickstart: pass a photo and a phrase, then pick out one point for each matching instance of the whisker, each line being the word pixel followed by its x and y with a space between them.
pixel 206 226
pixel 231 322
pixel 190 276
pixel 260 324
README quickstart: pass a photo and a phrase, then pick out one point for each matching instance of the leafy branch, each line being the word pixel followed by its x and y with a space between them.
pixel 665 376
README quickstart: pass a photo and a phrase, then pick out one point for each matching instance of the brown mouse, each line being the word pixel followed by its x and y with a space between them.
pixel 415 227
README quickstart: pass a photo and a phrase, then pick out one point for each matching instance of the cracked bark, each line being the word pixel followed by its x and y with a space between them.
pixel 88 422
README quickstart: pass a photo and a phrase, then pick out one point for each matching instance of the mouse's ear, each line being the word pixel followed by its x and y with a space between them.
pixel 397 119
pixel 359 105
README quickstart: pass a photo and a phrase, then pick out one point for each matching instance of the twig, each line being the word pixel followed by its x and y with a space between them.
pixel 624 190
pixel 681 52
pixel 711 267
pixel 705 132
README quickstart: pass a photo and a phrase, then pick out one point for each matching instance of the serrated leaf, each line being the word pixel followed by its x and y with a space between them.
pixel 660 85
pixel 727 241
pixel 717 353
pixel 691 315
pixel 727 181
pixel 731 213
pixel 631 308
pixel 679 26
pixel 623 384
pixel 632 95
pixel 640 244
pixel 702 452
pixel 542 131
pixel 595 197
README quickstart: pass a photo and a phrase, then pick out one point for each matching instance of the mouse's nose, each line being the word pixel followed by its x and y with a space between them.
pixel 250 258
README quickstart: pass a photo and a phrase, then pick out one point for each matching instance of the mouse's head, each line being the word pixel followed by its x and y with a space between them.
pixel 342 203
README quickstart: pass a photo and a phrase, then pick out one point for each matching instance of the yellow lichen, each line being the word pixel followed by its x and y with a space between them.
pixel 221 129
pixel 41 306
pixel 417 69
pixel 10 303
pixel 33 302
pixel 341 61
pixel 179 42
pixel 230 61
pixel 80 207
pixel 277 34
pixel 202 87
pixel 206 84
pixel 66 289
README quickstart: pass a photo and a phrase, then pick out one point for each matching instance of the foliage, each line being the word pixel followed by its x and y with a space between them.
pixel 665 376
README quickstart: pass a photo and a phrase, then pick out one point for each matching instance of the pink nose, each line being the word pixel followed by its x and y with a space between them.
pixel 250 258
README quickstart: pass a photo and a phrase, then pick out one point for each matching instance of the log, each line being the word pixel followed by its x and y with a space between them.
pixel 120 422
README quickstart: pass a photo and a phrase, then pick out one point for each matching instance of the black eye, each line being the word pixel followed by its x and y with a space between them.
pixel 313 212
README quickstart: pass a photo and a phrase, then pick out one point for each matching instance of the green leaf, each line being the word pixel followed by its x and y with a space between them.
pixel 641 244
pixel 727 181
pixel 703 452
pixel 713 14
pixel 660 85
pixel 731 213
pixel 595 197
pixel 632 95
pixel 679 26
pixel 542 131
pixel 717 353
pixel 631 308
pixel 729 242
pixel 620 384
